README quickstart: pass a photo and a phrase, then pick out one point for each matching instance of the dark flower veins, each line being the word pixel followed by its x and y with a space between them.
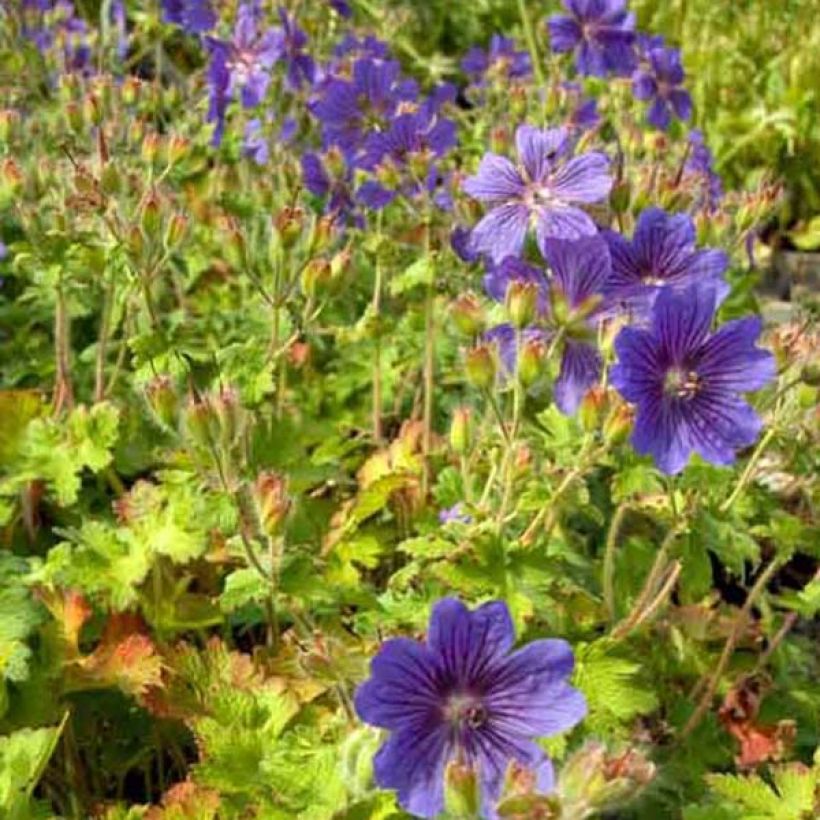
pixel 465 696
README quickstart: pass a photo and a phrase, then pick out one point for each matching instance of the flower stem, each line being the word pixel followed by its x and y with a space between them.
pixel 609 558
pixel 377 355
pixel 529 35
pixel 747 473
pixel 429 363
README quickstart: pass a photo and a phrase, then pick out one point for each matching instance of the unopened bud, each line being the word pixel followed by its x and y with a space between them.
pixel 500 139
pixel 130 90
pixel 110 179
pixel 163 400
pixel 388 175
pixel 177 228
pixel 230 415
pixel 531 358
pixel 9 121
pixel 620 197
pixel 810 374
pixel 149 149
pixel 177 149
pixel 521 302
pixel 481 366
pixel 92 109
pixel 461 430
pixel 272 501
pixel 289 225
pixel 74 117
pixel 592 408
pixel 201 423
pixel 11 179
pixel 136 132
pixel 135 241
pixel 340 263
pixel 618 423
pixel 316 275
pixel 462 791
pixel 468 314
pixel 151 215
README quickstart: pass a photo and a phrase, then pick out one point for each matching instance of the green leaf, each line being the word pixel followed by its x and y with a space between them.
pixel 421 272
pixel 23 757
pixel 612 685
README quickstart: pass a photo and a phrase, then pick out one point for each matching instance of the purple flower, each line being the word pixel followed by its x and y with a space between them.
pixel 502 60
pixel 300 66
pixel 334 186
pixel 545 187
pixel 348 109
pixel 687 381
pixel 241 66
pixel 255 143
pixel 461 241
pixel 580 271
pixel 465 696
pixel 195 16
pixel 662 252
pixel 341 7
pixel 455 514
pixel 701 165
pixel 600 32
pixel 584 116
pixel 661 81
pixel 55 29
pixel 367 46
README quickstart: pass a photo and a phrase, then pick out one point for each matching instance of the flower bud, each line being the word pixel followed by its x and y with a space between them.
pixel 388 175
pixel 163 401
pixel 177 149
pixel 481 366
pixel 594 781
pixel 500 139
pixel 150 147
pixel 620 197
pixel 593 406
pixel 74 117
pixel 462 792
pixel 272 501
pixel 110 179
pixel 531 358
pixel 177 228
pixel 9 121
pixel 136 132
pixel 289 224
pixel 201 423
pixel 92 109
pixel 151 215
pixel 559 306
pixel 810 374
pixel 315 276
pixel 322 233
pixel 339 264
pixel 130 89
pixel 468 315
pixel 521 303
pixel 617 423
pixel 135 241
pixel 461 430
pixel 229 415
pixel 11 179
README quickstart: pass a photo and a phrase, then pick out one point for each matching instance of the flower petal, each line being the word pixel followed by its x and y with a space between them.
pixel 562 223
pixel 413 764
pixel 584 178
pixel 537 148
pixel 662 432
pixel 501 232
pixel 580 268
pixel 466 643
pixel 580 370
pixel 681 320
pixel 565 33
pixel 729 359
pixel 528 695
pixel 497 180
pixel 401 689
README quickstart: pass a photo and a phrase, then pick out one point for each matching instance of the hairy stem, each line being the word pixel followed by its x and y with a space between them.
pixel 529 35
pixel 608 581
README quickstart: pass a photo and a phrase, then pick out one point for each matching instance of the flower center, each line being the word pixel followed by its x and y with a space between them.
pixel 680 383
pixel 465 710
